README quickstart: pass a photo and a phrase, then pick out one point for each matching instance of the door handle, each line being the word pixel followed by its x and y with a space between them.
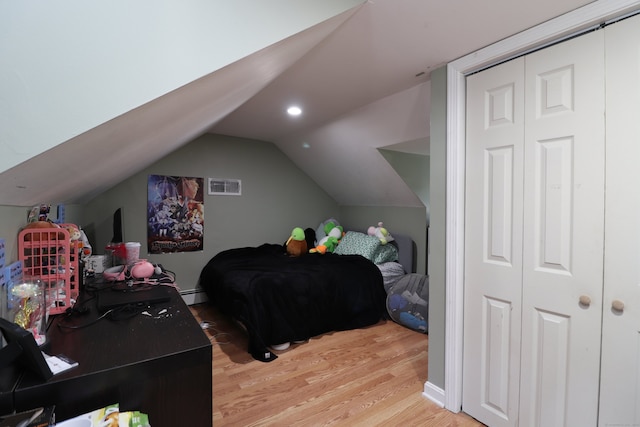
pixel 585 300
pixel 617 305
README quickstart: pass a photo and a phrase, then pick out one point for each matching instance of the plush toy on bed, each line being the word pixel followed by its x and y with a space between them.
pixel 296 244
pixel 329 242
pixel 381 233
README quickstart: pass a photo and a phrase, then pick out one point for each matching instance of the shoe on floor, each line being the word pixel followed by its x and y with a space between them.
pixel 280 347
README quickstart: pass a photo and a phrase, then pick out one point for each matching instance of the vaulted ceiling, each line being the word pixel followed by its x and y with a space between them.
pixel 361 77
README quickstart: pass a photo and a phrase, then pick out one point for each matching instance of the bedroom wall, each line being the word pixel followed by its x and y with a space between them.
pixel 13 218
pixel 276 197
pixel 414 170
pixel 56 84
pixel 409 221
pixel 437 238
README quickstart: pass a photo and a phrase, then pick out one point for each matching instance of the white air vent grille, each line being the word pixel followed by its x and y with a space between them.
pixel 227 187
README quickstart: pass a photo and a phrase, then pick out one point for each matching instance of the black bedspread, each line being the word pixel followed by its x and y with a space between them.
pixel 281 299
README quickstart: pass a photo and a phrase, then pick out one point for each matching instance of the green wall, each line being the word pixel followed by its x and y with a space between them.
pixel 437 238
pixel 408 221
pixel 414 170
pixel 276 197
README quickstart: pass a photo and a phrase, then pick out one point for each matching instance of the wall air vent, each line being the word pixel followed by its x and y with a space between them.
pixel 225 187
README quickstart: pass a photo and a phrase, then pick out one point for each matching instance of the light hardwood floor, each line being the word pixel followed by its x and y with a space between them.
pixel 365 377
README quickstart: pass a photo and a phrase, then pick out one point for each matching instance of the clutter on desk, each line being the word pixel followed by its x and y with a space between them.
pixel 26 306
pixel 109 416
pixel 37 417
pixel 59 363
pixel 51 253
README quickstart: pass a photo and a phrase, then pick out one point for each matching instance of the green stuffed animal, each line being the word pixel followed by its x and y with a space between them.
pixel 330 241
pixel 296 244
pixel 327 244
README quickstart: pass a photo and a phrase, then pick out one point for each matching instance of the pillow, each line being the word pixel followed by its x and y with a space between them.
pixel 385 253
pixel 391 273
pixel 354 243
pixel 370 247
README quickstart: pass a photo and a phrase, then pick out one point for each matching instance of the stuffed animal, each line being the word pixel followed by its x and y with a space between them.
pixel 79 240
pixel 328 243
pixel 323 229
pixel 296 244
pixel 381 233
pixel 75 235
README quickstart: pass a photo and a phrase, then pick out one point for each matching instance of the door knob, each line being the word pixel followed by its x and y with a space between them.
pixel 617 305
pixel 585 300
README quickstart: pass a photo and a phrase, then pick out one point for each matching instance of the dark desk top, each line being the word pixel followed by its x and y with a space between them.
pixel 122 338
pixel 104 348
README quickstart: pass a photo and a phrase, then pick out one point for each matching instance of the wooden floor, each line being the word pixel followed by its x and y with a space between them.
pixel 366 377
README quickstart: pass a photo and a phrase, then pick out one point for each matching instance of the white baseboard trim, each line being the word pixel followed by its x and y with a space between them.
pixel 434 394
pixel 193 296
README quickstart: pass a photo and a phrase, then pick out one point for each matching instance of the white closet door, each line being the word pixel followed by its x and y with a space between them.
pixel 563 233
pixel 493 246
pixel 620 382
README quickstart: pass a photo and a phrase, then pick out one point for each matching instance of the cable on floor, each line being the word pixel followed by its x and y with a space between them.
pixel 215 337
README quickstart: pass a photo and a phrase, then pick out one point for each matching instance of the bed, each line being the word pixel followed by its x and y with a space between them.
pixel 280 299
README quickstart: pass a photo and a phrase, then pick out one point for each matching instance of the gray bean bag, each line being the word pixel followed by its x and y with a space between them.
pixel 408 302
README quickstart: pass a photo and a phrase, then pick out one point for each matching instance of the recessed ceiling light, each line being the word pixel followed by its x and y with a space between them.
pixel 294 111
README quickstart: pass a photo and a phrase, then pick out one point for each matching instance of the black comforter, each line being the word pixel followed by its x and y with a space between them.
pixel 280 298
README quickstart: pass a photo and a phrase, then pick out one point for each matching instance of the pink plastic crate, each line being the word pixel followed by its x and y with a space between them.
pixel 47 254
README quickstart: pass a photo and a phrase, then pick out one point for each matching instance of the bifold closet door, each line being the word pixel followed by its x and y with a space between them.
pixel 563 233
pixel 493 243
pixel 534 224
pixel 620 378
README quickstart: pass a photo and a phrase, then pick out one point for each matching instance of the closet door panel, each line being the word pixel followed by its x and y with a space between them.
pixel 493 246
pixel 563 233
pixel 620 377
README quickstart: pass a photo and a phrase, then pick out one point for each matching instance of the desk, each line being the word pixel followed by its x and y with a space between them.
pixel 9 377
pixel 159 365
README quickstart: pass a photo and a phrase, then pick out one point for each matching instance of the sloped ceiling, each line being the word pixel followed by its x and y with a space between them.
pixel 362 79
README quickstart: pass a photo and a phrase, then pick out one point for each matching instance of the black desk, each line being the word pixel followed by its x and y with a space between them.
pixel 9 377
pixel 159 365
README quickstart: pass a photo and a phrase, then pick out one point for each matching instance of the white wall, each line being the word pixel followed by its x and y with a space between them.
pixel 68 66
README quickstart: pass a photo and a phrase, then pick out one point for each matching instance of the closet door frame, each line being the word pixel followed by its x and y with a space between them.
pixel 579 21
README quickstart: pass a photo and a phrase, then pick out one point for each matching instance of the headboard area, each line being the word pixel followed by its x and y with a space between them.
pixel 406 252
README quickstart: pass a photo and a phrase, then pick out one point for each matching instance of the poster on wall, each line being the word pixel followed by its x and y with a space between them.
pixel 175 214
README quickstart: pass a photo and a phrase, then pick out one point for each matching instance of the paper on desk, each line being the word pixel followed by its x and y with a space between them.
pixel 109 416
pixel 59 363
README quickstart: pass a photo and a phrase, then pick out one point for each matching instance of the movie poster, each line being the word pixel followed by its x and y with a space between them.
pixel 175 214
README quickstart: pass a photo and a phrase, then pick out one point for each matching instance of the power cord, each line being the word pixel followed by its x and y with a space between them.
pixel 94 321
pixel 120 313
pixel 215 337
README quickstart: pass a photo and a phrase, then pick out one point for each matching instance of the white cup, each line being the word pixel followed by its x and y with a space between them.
pixel 133 252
